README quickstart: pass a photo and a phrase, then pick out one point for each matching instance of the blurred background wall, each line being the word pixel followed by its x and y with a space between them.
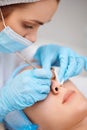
pixel 68 28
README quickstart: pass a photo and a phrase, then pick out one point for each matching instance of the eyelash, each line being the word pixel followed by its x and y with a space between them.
pixel 28 26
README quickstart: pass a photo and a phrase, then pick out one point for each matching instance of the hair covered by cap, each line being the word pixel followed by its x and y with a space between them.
pixel 9 2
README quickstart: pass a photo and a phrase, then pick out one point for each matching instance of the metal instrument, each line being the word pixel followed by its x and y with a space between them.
pixel 24 59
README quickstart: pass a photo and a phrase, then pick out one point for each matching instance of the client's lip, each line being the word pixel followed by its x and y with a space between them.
pixel 68 95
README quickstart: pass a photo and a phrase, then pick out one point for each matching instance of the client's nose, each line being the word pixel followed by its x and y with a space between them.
pixel 55 86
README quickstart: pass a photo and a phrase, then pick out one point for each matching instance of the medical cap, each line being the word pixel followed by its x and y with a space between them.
pixel 9 2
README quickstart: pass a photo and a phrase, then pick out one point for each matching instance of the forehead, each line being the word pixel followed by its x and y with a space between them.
pixel 43 10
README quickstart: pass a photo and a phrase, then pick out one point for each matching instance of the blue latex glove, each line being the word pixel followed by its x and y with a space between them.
pixel 85 58
pixel 71 64
pixel 25 127
pixel 24 90
pixel 17 120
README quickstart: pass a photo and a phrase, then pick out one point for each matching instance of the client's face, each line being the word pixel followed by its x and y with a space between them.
pixel 61 110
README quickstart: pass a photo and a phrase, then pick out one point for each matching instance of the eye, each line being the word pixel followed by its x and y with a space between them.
pixel 28 26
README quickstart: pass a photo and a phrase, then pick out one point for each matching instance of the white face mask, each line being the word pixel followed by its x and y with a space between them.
pixel 10 41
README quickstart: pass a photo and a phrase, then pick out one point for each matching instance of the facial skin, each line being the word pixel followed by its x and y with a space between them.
pixel 26 20
pixel 56 114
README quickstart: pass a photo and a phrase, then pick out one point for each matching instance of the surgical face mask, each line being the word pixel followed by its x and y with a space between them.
pixel 10 41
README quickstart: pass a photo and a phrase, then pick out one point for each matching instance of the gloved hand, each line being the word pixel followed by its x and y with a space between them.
pixel 24 90
pixel 85 58
pixel 71 64
pixel 17 120
pixel 27 127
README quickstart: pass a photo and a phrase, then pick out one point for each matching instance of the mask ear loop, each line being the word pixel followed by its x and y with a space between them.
pixel 2 18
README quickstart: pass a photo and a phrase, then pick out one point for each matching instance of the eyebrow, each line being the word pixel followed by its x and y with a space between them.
pixel 39 22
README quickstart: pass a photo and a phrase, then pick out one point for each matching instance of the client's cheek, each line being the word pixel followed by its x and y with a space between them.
pixel 82 108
